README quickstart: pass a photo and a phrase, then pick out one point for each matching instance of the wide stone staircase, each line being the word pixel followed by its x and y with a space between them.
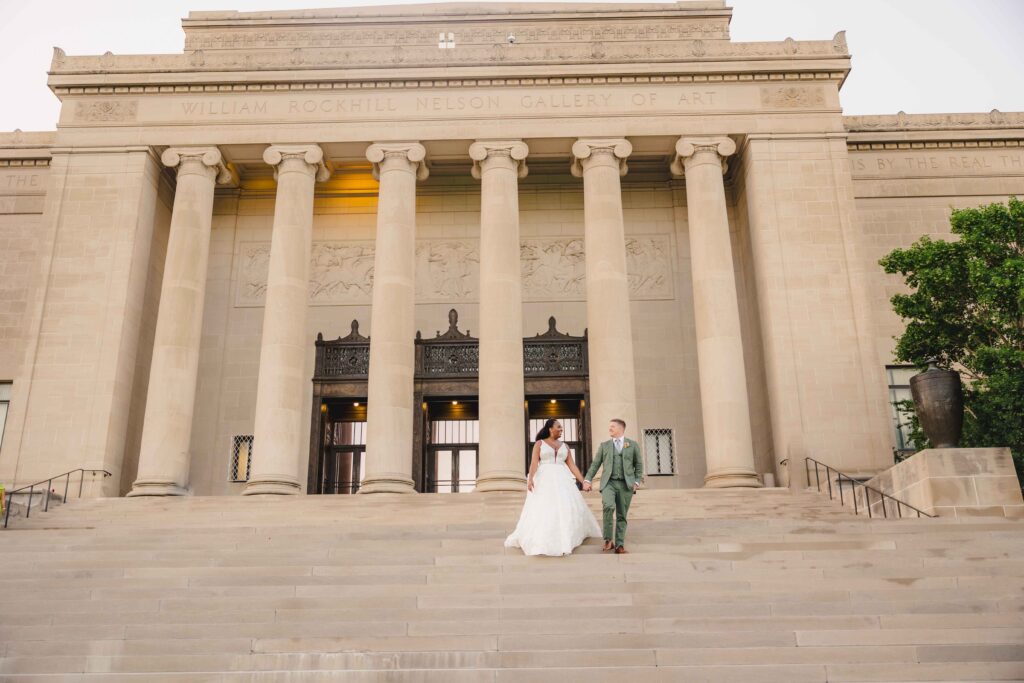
pixel 730 585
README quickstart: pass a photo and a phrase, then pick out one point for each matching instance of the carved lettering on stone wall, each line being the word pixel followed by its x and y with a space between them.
pixel 448 270
pixel 792 96
pixel 106 110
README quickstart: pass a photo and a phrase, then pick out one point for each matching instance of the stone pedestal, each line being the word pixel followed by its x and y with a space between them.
pixel 281 434
pixel 499 165
pixel 601 162
pixel 167 427
pixel 950 482
pixel 728 443
pixel 389 402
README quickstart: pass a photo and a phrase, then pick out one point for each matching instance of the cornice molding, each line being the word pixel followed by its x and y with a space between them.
pixel 417 48
pixel 934 144
pixel 403 84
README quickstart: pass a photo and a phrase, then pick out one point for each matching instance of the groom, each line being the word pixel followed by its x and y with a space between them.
pixel 622 473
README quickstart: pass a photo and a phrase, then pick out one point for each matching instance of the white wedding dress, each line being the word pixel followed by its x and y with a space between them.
pixel 555 518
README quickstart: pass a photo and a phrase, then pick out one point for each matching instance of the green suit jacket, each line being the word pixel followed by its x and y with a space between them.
pixel 632 463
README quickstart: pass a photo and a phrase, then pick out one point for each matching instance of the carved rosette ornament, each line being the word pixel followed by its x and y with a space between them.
pixel 410 156
pixel 701 150
pixel 205 161
pixel 509 153
pixel 594 150
pixel 306 158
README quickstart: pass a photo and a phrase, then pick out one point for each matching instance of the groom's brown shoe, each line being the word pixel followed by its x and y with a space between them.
pixel 621 550
pixel 608 545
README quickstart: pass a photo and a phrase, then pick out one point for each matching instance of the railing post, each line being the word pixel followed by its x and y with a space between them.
pixel 67 483
pixel 81 483
pixel 807 470
pixel 7 510
pixel 817 478
pixel 31 495
pixel 867 501
pixel 828 479
pixel 46 501
pixel 839 483
pixel 853 493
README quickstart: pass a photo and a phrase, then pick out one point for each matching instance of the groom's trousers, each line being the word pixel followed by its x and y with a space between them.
pixel 615 499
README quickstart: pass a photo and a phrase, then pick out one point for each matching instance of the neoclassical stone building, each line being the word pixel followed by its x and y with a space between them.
pixel 374 248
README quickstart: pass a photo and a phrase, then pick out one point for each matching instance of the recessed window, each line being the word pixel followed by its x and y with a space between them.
pixel 446 41
pixel 659 452
pixel 241 457
pixel 899 391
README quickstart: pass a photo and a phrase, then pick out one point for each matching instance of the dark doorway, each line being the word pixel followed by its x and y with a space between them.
pixel 570 411
pixel 452 445
pixel 342 447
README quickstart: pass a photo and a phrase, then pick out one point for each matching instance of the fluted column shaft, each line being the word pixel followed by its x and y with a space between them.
pixel 728 444
pixel 167 427
pixel 280 434
pixel 601 162
pixel 389 400
pixel 499 165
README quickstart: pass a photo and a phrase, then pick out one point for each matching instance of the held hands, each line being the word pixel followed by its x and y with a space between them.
pixel 587 486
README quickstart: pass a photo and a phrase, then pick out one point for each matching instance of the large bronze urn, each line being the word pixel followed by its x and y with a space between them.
pixel 939 403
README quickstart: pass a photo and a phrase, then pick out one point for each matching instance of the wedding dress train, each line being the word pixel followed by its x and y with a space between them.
pixel 555 518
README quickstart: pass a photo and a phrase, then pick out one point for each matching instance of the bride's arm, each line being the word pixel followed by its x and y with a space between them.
pixel 534 462
pixel 571 464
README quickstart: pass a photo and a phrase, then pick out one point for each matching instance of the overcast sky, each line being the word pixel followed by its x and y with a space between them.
pixel 918 56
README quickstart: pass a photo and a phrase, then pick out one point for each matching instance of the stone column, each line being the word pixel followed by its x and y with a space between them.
pixel 167 427
pixel 728 444
pixel 499 165
pixel 389 400
pixel 280 434
pixel 600 162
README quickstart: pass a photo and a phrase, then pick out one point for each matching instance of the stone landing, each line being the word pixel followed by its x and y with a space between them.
pixel 722 585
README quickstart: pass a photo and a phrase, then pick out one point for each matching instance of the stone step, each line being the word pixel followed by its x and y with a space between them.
pixel 720 586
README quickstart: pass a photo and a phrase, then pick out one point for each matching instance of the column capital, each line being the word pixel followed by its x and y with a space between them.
pixel 412 154
pixel 202 160
pixel 311 155
pixel 485 152
pixel 587 150
pixel 687 148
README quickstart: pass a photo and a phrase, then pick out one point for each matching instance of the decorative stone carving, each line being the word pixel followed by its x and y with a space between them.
pixel 584 149
pixel 792 96
pixel 410 152
pixel 106 110
pixel 553 269
pixel 904 121
pixel 447 270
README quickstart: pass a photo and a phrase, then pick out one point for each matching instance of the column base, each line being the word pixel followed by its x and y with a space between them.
pixel 501 481
pixel 156 487
pixel 272 487
pixel 732 478
pixel 394 483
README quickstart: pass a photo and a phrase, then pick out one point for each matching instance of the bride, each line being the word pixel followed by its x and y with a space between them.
pixel 555 519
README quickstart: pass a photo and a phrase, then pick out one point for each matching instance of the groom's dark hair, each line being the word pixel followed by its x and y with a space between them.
pixel 545 431
pixel 620 421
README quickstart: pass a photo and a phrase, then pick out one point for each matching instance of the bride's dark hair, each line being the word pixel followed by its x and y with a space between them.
pixel 545 431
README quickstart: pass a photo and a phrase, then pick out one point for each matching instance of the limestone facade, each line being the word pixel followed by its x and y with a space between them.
pixel 701 207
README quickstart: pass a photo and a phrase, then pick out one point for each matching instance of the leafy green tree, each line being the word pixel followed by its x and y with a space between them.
pixel 966 308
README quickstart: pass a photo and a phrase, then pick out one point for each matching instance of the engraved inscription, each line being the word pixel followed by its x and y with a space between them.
pixel 940 163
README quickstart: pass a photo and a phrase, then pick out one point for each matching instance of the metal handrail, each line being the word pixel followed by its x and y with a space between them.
pixel 31 488
pixel 883 497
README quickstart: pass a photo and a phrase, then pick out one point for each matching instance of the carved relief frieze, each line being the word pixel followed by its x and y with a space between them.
pixel 106 110
pixel 792 96
pixel 904 121
pixel 448 270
